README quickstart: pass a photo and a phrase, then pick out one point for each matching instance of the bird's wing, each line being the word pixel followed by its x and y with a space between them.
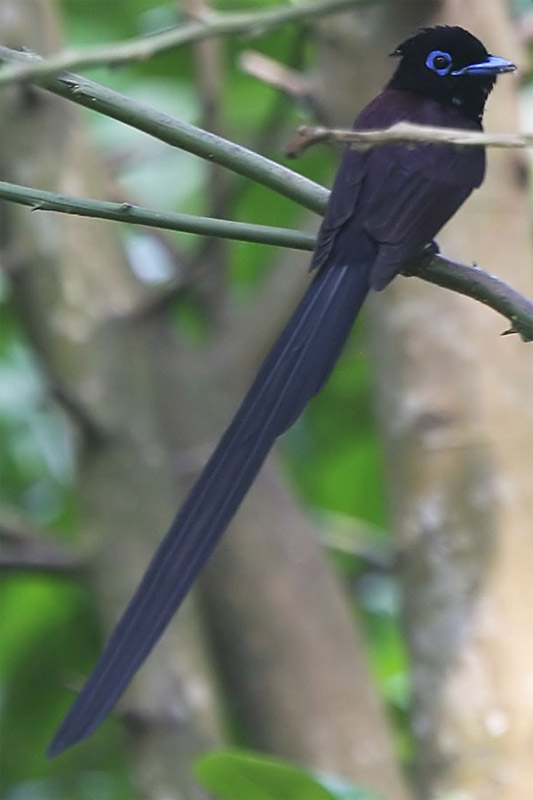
pixel 400 195
pixel 341 205
pixel 428 185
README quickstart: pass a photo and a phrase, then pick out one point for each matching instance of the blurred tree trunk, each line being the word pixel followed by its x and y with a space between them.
pixel 75 293
pixel 456 414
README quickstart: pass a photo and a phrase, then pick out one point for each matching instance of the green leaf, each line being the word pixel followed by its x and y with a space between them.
pixel 239 775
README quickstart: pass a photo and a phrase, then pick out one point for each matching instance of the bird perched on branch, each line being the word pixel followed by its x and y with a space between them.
pixel 387 204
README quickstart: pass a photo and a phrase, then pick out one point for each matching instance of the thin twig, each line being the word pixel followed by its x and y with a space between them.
pixel 309 135
pixel 292 82
pixel 40 200
pixel 24 548
pixel 253 23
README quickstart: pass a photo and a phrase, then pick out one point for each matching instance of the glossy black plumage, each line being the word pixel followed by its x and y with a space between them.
pixel 385 206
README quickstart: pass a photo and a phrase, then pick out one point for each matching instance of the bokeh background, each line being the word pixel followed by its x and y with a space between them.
pixel 368 615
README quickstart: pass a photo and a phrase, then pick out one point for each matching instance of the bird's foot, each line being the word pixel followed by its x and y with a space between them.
pixel 431 249
pixel 412 267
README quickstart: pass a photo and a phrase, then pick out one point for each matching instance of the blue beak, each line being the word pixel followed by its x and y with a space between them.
pixel 492 66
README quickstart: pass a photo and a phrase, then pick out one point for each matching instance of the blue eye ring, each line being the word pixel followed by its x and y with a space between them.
pixel 439 61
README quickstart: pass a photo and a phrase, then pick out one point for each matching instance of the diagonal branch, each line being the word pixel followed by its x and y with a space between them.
pixel 181 134
pixel 470 281
pixel 253 23
pixel 245 162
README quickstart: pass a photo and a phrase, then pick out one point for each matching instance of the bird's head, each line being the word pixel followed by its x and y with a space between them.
pixel 449 65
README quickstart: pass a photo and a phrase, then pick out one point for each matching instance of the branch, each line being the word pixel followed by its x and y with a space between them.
pixel 24 548
pixel 294 83
pixel 309 135
pixel 40 200
pixel 479 285
pixel 180 134
pixel 253 23
pixel 461 278
pixel 465 280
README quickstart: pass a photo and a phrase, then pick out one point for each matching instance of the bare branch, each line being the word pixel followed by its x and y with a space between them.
pixel 479 285
pixel 309 135
pixel 24 548
pixel 181 134
pixel 293 83
pixel 252 23
pixel 466 280
pixel 40 200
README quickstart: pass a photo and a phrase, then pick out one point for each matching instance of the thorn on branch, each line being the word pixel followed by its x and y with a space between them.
pixel 70 83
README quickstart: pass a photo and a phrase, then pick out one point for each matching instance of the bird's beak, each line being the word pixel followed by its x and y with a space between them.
pixel 492 66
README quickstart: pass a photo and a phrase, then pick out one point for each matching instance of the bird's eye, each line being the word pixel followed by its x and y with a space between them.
pixel 439 62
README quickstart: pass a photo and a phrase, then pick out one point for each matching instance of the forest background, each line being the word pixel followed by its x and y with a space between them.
pixel 367 618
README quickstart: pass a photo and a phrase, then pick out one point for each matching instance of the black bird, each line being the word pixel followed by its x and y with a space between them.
pixel 386 205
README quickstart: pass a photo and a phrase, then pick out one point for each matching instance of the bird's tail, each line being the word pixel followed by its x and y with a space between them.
pixel 295 369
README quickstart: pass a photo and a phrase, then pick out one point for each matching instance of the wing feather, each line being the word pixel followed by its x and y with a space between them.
pixel 399 195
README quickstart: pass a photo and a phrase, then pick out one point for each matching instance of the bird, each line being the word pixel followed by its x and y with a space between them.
pixel 386 206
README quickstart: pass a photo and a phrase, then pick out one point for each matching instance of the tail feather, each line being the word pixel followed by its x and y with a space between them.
pixel 295 369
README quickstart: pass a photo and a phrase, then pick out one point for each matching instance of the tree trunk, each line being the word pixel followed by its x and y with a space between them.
pixel 75 291
pixel 456 414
